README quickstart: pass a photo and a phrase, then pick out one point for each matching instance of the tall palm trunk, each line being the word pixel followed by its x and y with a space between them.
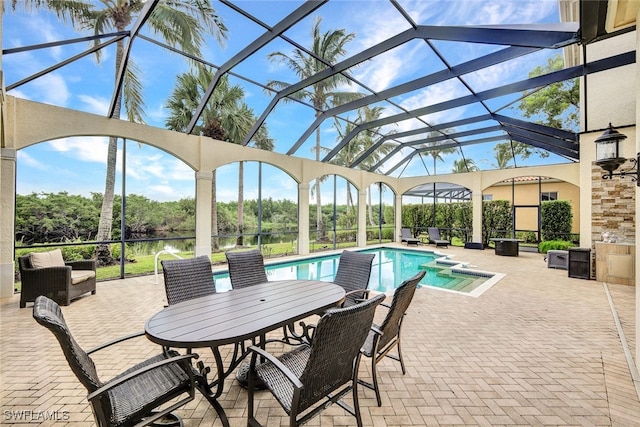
pixel 319 222
pixel 103 251
pixel 214 213
pixel 240 240
pixel 370 208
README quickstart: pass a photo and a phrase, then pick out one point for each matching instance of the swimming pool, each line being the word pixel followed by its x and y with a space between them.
pixel 390 267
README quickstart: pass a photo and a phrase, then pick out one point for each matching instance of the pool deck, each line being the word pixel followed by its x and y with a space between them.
pixel 536 349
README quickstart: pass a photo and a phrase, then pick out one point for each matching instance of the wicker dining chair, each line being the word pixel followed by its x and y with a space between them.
pixel 354 269
pixel 384 337
pixel 246 268
pixel 327 368
pixel 189 278
pixel 138 395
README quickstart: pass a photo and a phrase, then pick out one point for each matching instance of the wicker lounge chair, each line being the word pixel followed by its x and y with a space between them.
pixel 61 282
pixel 185 279
pixel 354 270
pixel 134 396
pixel 378 346
pixel 406 237
pixel 435 239
pixel 246 268
pixel 325 369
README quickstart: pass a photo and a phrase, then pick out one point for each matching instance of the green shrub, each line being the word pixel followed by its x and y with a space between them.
pixel 527 236
pixel 556 218
pixel 554 245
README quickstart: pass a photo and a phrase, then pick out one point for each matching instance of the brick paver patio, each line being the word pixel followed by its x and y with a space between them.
pixel 537 349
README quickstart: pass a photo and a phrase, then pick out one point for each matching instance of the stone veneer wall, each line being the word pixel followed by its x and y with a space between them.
pixel 613 208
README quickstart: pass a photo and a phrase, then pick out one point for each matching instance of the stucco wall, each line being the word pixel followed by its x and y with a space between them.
pixel 528 194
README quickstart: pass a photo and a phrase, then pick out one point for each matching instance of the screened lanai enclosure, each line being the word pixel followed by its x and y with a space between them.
pixel 415 90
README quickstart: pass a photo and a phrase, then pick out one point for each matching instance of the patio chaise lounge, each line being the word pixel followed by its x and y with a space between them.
pixel 435 239
pixel 406 237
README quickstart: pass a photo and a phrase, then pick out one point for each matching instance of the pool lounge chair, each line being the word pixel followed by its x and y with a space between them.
pixel 405 236
pixel 435 239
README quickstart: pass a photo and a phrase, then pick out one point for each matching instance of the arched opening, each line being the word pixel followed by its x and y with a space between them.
pixel 439 204
pixel 254 204
pixel 532 209
pixel 333 213
pixel 60 186
pixel 380 217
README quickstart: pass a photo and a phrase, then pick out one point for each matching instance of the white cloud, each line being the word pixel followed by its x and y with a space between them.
pixel 90 149
pixel 27 160
pixel 94 104
pixel 52 89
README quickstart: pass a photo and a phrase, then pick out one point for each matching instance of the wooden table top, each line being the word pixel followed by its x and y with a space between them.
pixel 230 317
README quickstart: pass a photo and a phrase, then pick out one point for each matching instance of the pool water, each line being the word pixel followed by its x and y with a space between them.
pixel 390 268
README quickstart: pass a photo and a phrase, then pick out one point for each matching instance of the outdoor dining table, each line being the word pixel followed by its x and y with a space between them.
pixel 235 316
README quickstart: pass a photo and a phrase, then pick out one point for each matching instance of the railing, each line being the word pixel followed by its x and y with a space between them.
pixel 171 251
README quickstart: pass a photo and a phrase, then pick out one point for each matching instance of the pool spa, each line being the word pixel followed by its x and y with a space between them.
pixel 390 267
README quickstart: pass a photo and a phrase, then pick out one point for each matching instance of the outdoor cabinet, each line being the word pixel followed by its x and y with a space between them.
pixel 615 263
pixel 580 263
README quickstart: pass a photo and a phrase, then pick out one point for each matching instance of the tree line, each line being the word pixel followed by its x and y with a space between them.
pixel 63 217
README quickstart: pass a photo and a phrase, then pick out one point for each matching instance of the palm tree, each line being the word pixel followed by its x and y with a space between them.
pixel 435 152
pixel 226 118
pixel 464 165
pixel 329 46
pixel 503 155
pixel 361 143
pixel 181 23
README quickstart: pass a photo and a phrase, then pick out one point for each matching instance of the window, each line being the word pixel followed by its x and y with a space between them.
pixel 548 195
pixel 487 197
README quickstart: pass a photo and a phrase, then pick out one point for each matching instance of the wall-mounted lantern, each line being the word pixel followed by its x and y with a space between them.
pixel 608 155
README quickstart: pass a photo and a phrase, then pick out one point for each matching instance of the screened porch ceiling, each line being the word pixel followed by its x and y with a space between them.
pixel 446 86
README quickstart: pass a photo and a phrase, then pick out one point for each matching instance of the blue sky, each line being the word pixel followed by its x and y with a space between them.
pixel 77 165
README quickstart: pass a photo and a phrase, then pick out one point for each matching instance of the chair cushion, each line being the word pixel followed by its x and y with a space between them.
pixel 78 276
pixel 46 259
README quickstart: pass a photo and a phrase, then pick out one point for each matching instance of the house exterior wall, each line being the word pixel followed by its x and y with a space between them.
pixel 528 193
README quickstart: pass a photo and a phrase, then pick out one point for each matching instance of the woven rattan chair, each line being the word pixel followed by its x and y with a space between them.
pixel 354 269
pixel 58 283
pixel 135 396
pixel 189 278
pixel 325 369
pixel 246 268
pixel 383 338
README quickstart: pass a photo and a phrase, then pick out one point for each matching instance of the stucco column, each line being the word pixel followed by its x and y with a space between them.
pixel 398 206
pixel 303 218
pixel 203 213
pixel 7 219
pixel 476 200
pixel 362 218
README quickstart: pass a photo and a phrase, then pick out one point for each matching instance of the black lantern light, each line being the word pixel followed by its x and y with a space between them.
pixel 608 155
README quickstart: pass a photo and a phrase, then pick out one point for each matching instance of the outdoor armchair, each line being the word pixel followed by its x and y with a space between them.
pixel 189 278
pixel 142 394
pixel 384 337
pixel 407 237
pixel 246 268
pixel 354 269
pixel 46 273
pixel 325 369
pixel 435 239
